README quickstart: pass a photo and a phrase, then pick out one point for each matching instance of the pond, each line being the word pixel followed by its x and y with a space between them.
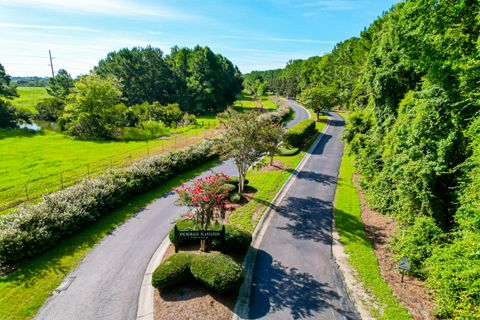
pixel 38 125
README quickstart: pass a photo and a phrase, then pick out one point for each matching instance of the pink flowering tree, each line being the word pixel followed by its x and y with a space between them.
pixel 207 197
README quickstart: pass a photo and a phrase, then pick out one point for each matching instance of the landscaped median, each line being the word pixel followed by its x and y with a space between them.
pixel 177 294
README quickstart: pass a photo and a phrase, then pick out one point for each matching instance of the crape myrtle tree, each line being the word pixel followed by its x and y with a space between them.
pixel 207 198
pixel 242 140
pixel 94 110
pixel 270 138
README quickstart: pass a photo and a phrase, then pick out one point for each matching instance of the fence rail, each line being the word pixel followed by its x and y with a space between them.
pixel 34 189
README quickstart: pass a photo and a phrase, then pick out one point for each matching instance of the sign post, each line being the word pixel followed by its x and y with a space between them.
pixel 197 235
pixel 404 265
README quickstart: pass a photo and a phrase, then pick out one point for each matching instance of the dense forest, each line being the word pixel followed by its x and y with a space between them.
pixel 133 93
pixel 411 82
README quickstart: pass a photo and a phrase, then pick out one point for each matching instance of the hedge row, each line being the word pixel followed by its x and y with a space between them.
pixel 36 228
pixel 280 114
pixel 236 239
pixel 296 135
pixel 216 271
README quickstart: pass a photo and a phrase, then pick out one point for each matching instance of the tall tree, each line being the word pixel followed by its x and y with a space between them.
pixel 60 86
pixel 8 114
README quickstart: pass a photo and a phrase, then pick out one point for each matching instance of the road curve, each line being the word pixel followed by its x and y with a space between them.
pixel 106 284
pixel 294 275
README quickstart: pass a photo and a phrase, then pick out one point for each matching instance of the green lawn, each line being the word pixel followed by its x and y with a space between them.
pixel 42 160
pixel 29 97
pixel 267 185
pixel 361 255
pixel 245 101
pixel 24 291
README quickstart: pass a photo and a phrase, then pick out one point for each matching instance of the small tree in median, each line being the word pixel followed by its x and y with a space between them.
pixel 318 99
pixel 242 140
pixel 270 137
pixel 208 198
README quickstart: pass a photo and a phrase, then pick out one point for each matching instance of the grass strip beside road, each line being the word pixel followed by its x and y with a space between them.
pixel 23 291
pixel 348 220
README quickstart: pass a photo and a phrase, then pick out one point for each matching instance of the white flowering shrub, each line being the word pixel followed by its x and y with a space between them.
pixel 36 228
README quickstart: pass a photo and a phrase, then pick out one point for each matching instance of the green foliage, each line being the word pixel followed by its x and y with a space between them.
pixel 235 197
pixel 208 82
pixel 287 151
pixel 93 110
pixel 454 272
pixel 50 109
pixel 299 133
pixel 154 112
pixel 59 87
pixel 173 271
pixel 319 99
pixel 234 181
pixel 236 240
pixel 417 242
pixel 217 272
pixel 33 229
pixel 8 115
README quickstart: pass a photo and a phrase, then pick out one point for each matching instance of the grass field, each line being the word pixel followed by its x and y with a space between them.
pixel 361 256
pixel 29 97
pixel 24 291
pixel 245 101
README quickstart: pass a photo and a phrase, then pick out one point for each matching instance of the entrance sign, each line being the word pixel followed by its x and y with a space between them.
pixel 197 235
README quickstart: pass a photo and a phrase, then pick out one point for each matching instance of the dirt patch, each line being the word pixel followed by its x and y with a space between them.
pixel 412 292
pixel 276 165
pixel 192 302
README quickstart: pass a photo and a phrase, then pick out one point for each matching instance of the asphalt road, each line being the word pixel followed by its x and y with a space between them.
pixel 294 275
pixel 106 284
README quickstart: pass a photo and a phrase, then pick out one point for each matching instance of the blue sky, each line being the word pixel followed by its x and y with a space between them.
pixel 255 35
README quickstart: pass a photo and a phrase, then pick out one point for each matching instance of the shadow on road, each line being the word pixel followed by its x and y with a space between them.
pixel 280 287
pixel 309 218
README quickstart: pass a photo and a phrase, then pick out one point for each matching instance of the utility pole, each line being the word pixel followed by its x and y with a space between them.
pixel 51 63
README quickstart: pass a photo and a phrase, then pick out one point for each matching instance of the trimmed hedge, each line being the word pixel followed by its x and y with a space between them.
pixel 236 239
pixel 217 272
pixel 296 135
pixel 285 151
pixel 175 270
pixel 34 229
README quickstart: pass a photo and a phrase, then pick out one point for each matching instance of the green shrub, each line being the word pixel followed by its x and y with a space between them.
pixel 36 228
pixel 417 243
pixel 287 151
pixel 235 197
pixel 230 187
pixel 296 135
pixel 236 240
pixel 454 272
pixel 234 180
pixel 173 271
pixel 217 272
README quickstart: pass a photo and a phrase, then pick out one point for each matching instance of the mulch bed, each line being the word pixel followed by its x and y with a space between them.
pixel 412 292
pixel 276 165
pixel 193 301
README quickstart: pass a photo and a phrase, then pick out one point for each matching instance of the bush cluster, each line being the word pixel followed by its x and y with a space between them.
pixel 216 271
pixel 297 134
pixel 287 151
pixel 34 229
pixel 280 114
pixel 236 239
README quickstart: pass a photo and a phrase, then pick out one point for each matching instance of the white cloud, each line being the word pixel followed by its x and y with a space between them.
pixel 45 27
pixel 104 7
pixel 273 39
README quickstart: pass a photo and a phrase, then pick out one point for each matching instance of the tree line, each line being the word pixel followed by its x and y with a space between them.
pixel 137 87
pixel 411 81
